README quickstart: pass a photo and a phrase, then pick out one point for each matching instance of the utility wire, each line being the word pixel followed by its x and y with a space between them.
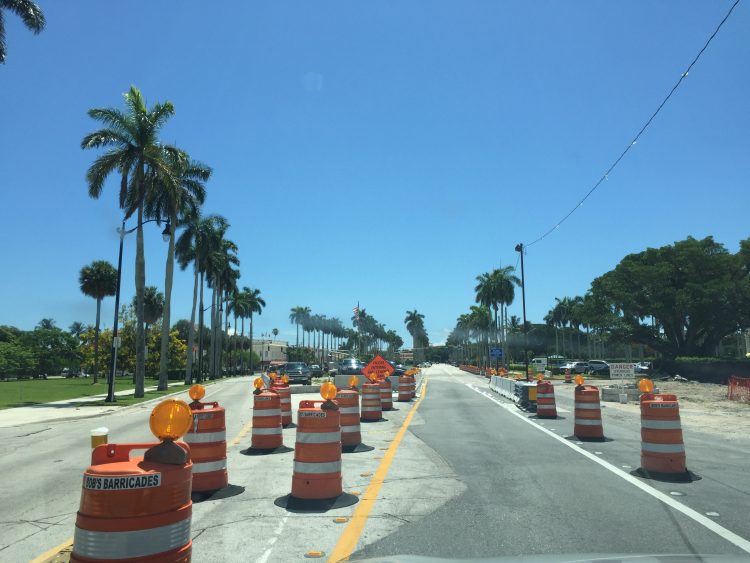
pixel 643 129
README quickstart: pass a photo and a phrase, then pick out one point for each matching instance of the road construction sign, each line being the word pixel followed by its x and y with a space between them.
pixel 622 370
pixel 378 369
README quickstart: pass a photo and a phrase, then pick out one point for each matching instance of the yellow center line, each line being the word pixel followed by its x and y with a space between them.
pixel 353 531
pixel 49 554
pixel 242 433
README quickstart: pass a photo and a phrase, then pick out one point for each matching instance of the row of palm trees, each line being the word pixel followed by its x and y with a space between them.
pixel 487 322
pixel 326 334
pixel 161 182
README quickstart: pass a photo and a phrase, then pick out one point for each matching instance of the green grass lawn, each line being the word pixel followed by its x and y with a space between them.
pixel 27 392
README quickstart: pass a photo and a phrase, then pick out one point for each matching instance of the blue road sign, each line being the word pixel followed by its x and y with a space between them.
pixel 496 353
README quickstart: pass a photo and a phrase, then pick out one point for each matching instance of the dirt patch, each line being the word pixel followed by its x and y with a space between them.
pixel 704 407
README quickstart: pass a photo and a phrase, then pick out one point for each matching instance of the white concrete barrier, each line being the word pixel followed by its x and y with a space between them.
pixel 504 386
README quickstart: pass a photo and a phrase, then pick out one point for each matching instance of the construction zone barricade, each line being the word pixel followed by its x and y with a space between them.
pixel 138 508
pixel 208 446
pixel 386 395
pixel 662 446
pixel 404 389
pixel 285 400
pixel 371 406
pixel 588 413
pixel 266 436
pixel 316 478
pixel 545 400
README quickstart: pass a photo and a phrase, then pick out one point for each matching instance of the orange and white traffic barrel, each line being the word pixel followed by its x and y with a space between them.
pixel 386 395
pixel 568 377
pixel 281 386
pixel 207 439
pixel 138 508
pixel 588 413
pixel 545 400
pixel 317 452
pixel 266 433
pixel 348 402
pixel 404 389
pixel 662 448
pixel 371 406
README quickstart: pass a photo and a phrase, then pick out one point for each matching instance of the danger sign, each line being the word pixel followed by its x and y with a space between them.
pixel 378 369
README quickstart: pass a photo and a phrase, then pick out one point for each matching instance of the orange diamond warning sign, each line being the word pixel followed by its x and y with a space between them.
pixel 378 369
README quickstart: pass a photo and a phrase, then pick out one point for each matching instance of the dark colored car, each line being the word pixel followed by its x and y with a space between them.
pixel 398 369
pixel 316 370
pixel 297 372
pixel 598 367
pixel 350 366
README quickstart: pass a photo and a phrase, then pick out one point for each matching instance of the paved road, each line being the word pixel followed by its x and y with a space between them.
pixel 531 491
pixel 460 474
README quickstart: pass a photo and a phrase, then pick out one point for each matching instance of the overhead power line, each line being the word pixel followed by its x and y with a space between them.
pixel 642 130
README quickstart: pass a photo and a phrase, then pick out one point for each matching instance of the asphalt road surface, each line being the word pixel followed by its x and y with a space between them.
pixel 460 473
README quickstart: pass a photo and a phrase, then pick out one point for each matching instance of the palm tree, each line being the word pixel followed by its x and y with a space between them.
pixel 47 324
pixel 488 293
pixel 255 305
pixel 98 280
pixel 174 201
pixel 296 315
pixel 222 279
pixel 134 152
pixel 194 245
pixel 76 329
pixel 415 326
pixel 153 305
pixel 29 12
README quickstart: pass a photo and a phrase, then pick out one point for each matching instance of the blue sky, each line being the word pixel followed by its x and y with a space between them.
pixel 381 152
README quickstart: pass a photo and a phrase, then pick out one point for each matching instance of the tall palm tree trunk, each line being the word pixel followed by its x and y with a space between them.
pixel 140 284
pixel 212 349
pixel 242 344
pixel 296 323
pixel 165 323
pixel 191 337
pixel 200 334
pixel 96 340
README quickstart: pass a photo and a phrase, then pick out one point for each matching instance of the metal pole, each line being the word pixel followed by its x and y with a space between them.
pixel 115 347
pixel 519 248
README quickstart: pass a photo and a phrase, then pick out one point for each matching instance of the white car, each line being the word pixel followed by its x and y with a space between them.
pixel 575 367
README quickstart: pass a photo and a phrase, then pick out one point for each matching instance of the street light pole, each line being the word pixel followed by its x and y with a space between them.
pixel 115 344
pixel 519 248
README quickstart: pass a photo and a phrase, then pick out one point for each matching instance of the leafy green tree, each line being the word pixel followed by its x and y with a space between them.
pixel 98 280
pixel 134 154
pixel 29 12
pixel 53 349
pixel 690 294
pixel 77 328
pixel 15 359
pixel 153 305
pixel 177 199
pixel 255 305
pixel 296 316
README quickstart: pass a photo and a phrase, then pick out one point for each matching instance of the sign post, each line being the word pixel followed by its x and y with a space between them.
pixel 624 371
pixel 378 369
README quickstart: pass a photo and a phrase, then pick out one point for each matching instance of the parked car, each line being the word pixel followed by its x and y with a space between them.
pixel 643 367
pixel 598 367
pixel 316 370
pixel 575 367
pixel 297 372
pixel 350 366
pixel 332 368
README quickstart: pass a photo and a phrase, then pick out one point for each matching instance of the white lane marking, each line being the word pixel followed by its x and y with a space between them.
pixel 704 521
pixel 272 540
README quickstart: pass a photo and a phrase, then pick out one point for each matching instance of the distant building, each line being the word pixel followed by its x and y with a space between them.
pixel 406 355
pixel 270 350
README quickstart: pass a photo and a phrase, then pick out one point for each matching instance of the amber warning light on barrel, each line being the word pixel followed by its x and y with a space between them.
pixel 353 380
pixel 645 385
pixel 197 392
pixel 171 419
pixel 328 391
pixel 579 380
pixel 258 383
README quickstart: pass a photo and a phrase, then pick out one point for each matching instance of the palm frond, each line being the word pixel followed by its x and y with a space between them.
pixel 100 169
pixel 115 120
pixel 28 11
pixel 2 38
pixel 104 138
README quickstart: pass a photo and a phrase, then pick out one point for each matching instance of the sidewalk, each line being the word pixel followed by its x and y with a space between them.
pixel 67 409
